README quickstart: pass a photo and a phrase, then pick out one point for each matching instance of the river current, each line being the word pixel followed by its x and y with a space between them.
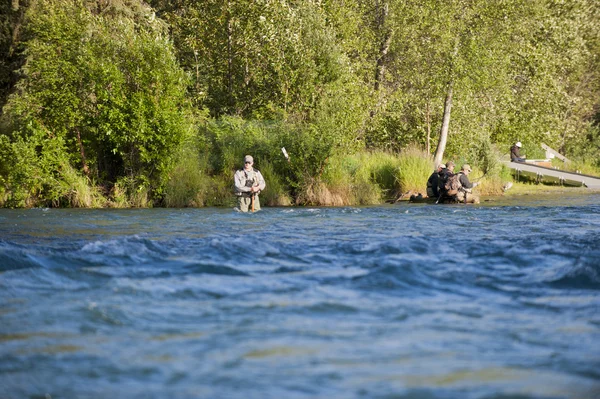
pixel 492 301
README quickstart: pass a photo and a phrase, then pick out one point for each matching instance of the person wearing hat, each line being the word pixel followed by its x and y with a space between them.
pixel 249 182
pixel 433 183
pixel 515 156
pixel 445 174
pixel 465 194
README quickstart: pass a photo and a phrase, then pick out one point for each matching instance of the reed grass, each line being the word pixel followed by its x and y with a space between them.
pixel 188 184
pixel 363 178
pixel 414 168
pixel 275 193
pixel 118 197
pixel 76 191
pixel 220 191
pixel 584 167
pixel 130 193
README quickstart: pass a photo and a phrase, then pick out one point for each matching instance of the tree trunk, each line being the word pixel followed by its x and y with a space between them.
pixel 381 17
pixel 229 54
pixel 439 152
pixel 380 68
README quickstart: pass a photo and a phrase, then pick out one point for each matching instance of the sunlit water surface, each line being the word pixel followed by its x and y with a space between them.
pixel 498 300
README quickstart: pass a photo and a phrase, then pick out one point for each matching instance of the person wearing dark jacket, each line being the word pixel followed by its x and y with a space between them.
pixel 433 183
pixel 515 155
pixel 465 194
pixel 445 174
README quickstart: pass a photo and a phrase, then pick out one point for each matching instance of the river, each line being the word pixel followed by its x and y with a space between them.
pixel 492 301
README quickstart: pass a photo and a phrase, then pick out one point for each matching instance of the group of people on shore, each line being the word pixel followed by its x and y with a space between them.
pixel 444 185
pixel 449 187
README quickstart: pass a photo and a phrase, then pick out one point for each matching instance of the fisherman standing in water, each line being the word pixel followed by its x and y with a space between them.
pixel 249 182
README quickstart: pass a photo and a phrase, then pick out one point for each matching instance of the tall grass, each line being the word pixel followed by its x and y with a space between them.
pixel 118 197
pixel 584 167
pixel 414 168
pixel 188 183
pixel 275 193
pixel 75 190
pixel 359 179
pixel 130 193
pixel 492 181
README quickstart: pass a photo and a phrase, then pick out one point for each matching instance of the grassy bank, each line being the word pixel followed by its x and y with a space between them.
pixel 540 189
pixel 320 172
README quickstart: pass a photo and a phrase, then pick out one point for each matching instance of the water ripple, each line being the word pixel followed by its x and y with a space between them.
pixel 493 301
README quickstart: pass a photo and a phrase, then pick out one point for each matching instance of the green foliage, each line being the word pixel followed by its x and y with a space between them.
pixel 101 92
pixel 255 59
pixel 108 93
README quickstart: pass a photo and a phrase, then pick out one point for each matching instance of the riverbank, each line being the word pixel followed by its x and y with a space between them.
pixel 543 189
pixel 523 192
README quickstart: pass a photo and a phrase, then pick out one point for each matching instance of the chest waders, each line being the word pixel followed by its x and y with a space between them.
pixel 250 183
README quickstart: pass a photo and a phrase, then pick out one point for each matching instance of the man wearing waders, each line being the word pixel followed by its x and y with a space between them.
pixel 249 182
pixel 464 193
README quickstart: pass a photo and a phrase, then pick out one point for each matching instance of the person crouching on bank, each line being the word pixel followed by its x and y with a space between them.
pixel 249 182
pixel 465 194
pixel 433 183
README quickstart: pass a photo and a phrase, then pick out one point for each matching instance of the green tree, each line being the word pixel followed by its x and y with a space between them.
pixel 102 91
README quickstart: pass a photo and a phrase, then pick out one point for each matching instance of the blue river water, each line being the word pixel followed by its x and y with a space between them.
pixel 493 301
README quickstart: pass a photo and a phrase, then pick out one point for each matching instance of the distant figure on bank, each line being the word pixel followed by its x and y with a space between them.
pixel 433 183
pixel 465 194
pixel 515 156
pixel 249 182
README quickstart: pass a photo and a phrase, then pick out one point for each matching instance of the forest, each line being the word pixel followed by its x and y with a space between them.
pixel 125 103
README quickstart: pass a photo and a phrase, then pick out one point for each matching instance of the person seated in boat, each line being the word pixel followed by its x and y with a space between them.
pixel 249 182
pixel 465 193
pixel 433 183
pixel 515 155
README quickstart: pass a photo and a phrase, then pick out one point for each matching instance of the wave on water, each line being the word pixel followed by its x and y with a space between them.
pixel 383 302
pixel 15 256
pixel 133 250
